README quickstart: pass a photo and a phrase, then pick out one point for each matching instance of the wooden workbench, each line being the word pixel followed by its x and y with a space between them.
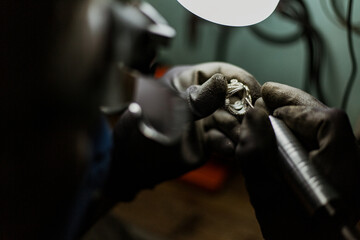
pixel 178 211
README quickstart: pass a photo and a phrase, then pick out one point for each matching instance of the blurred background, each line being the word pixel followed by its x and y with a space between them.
pixel 305 44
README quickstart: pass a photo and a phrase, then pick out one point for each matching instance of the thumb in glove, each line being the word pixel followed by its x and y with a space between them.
pixel 207 98
pixel 276 95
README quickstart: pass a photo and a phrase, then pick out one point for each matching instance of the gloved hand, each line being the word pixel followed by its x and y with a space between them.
pixel 220 129
pixel 327 135
pixel 139 162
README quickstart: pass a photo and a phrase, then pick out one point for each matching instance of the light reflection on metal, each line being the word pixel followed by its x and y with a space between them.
pixel 238 98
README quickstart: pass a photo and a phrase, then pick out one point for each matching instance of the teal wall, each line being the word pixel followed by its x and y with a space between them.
pixel 269 62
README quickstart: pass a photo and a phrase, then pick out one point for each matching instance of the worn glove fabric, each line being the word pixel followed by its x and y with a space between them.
pixel 139 162
pixel 327 135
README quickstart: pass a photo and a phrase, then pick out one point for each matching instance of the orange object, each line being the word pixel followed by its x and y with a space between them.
pixel 211 176
pixel 160 71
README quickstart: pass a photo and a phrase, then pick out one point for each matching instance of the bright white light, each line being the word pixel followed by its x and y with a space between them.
pixel 231 12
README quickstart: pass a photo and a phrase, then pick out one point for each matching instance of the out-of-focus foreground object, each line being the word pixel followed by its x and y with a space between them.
pixel 138 31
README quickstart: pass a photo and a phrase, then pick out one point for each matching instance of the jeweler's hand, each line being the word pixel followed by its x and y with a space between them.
pixel 326 133
pixel 139 162
pixel 219 128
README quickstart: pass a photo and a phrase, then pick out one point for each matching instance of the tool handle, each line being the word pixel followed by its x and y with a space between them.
pixel 303 176
pixel 315 192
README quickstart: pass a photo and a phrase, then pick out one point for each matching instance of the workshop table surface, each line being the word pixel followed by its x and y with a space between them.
pixel 178 211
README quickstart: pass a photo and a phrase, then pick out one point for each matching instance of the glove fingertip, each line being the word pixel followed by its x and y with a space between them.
pixel 217 83
pixel 271 95
pixel 208 97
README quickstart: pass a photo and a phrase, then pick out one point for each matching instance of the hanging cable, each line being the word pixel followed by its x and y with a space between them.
pixel 326 8
pixel 297 11
pixel 288 11
pixel 341 18
pixel 353 73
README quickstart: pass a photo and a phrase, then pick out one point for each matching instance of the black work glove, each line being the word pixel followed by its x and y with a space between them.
pixel 220 129
pixel 327 135
pixel 139 162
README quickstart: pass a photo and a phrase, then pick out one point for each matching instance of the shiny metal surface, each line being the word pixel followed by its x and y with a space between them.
pixel 238 98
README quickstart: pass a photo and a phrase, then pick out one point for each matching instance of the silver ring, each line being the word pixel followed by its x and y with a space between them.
pixel 238 99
